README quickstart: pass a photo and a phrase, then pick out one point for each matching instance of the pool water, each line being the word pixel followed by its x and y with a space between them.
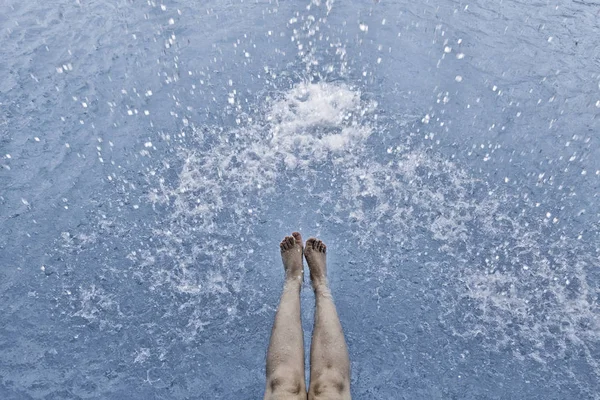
pixel 153 154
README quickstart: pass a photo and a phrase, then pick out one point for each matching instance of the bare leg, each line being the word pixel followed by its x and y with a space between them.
pixel 329 360
pixel 285 357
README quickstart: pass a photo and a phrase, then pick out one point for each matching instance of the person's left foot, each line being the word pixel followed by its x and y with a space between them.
pixel 291 255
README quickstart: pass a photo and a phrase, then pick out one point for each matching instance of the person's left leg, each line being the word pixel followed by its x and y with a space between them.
pixel 285 357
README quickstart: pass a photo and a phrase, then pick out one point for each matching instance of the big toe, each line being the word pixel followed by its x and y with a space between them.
pixel 298 237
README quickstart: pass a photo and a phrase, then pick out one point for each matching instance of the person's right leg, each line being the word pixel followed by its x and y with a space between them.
pixel 285 357
pixel 329 360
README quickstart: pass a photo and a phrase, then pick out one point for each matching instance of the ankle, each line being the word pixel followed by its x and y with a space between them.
pixel 293 281
pixel 320 286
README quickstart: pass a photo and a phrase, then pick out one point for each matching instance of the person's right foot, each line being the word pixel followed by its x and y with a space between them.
pixel 291 255
pixel 314 252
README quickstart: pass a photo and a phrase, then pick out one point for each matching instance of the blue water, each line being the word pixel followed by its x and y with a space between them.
pixel 152 155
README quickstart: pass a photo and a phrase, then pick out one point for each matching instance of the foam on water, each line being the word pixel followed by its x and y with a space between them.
pixel 315 120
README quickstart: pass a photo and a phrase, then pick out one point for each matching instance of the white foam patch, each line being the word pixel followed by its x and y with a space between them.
pixel 308 125
pixel 314 120
pixel 92 305
pixel 534 302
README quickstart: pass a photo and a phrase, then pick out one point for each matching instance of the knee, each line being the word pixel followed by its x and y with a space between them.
pixel 286 383
pixel 329 385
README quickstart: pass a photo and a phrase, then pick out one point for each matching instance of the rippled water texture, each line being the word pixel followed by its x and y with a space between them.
pixel 153 154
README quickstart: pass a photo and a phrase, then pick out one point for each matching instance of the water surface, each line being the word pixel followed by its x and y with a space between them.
pixel 153 154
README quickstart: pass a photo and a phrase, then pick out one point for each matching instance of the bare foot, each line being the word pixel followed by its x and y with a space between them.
pixel 291 255
pixel 316 259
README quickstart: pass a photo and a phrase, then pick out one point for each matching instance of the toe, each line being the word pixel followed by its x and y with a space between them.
pixel 310 243
pixel 291 241
pixel 324 248
pixel 297 237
